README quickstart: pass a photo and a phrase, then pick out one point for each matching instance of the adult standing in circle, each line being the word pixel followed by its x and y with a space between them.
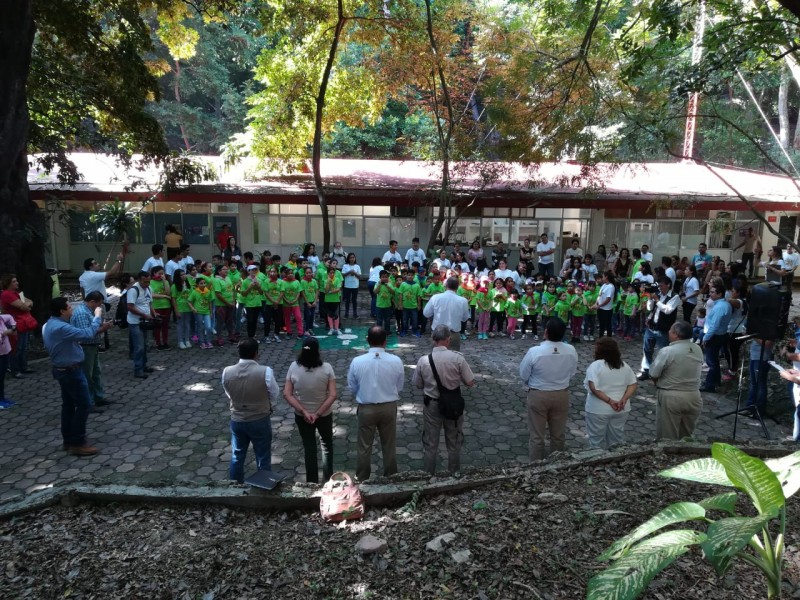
pixel 13 302
pixel 448 309
pixel 233 253
pixel 546 371
pixel 351 273
pixel 662 313
pixel 545 250
pixel 475 257
pixel 610 384
pixel 173 241
pixel 611 258
pixel 605 304
pixel 374 278
pixel 623 264
pixel 599 259
pixel 526 256
pixel 690 293
pixel 310 389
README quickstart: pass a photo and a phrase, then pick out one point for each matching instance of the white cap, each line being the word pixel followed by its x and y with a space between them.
pixel 252 267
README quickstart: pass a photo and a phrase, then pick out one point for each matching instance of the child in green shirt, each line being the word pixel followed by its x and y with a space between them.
pixel 467 290
pixel 630 307
pixel 498 295
pixel 310 295
pixel 561 309
pixel 225 305
pixel 410 292
pixel 290 302
pixel 162 305
pixel 333 297
pixel 513 313
pixel 200 301
pixel 180 302
pixel 578 310
pixel 384 296
pixel 549 299
pixel 590 296
pixel 272 296
pixel 532 303
pixel 433 287
pixel 483 306
pixel 397 301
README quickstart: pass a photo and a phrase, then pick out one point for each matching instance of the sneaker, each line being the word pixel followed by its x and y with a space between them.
pixel 536 338
pixel 419 335
pixel 276 338
pixel 524 336
pixel 330 331
pixel 512 337
pixel 266 340
pixel 491 334
pixel 260 320
pixel 338 332
pixel 591 338
pixel 463 336
pixel 585 338
pixel 195 339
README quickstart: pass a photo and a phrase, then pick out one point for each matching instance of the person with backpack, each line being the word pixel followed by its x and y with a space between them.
pixel 440 375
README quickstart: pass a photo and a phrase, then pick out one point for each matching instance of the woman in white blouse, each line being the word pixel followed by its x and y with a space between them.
pixel 351 273
pixel 610 384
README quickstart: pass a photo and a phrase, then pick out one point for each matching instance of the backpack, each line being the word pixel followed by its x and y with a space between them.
pixel 341 499
pixel 451 402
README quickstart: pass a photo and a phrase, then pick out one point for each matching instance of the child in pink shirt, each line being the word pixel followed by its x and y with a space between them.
pixel 7 328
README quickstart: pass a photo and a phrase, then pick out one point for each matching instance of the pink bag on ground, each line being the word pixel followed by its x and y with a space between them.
pixel 341 499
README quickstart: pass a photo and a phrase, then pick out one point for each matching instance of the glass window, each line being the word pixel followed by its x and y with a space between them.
pixel 727 233
pixel 489 212
pixel 196 229
pixel 260 209
pixel 167 207
pixel 377 211
pixel 293 231
pixel 694 232
pixel 640 232
pixel 349 231
pixel 500 229
pixel 81 229
pixel 262 234
pixel 314 209
pixel 228 207
pixel 667 238
pixel 468 230
pixel 294 209
pixel 164 219
pixel 577 213
pixel 315 226
pixel 548 213
pixel 524 228
pixel 348 211
pixel 403 229
pixel 574 228
pixel 147 232
pixel 615 232
pixel 377 232
pixel 189 207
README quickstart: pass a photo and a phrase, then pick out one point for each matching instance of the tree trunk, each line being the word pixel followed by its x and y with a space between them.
pixel 316 150
pixel 783 108
pixel 177 90
pixel 23 227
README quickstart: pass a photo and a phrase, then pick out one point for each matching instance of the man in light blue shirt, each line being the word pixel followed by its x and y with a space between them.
pixel 716 336
pixel 546 371
pixel 376 380
pixel 62 341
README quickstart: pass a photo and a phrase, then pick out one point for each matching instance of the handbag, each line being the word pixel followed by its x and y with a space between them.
pixel 341 499
pixel 26 322
pixel 451 402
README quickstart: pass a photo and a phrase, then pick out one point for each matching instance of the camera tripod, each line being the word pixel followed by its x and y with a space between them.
pixel 747 411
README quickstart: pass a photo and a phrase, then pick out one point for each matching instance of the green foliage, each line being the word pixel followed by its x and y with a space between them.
pixel 638 558
pixel 117 220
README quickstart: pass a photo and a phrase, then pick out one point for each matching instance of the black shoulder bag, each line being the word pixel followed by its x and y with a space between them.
pixel 451 403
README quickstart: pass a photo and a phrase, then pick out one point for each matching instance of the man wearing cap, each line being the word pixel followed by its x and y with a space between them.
pixel 453 370
pixel 448 309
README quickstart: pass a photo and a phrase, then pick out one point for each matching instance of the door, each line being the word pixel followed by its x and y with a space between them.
pixel 217 223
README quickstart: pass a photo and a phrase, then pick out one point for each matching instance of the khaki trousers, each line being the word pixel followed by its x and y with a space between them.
pixel 382 417
pixel 546 410
pixel 676 413
pixel 433 422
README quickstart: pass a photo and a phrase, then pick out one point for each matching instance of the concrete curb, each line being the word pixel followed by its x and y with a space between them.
pixel 377 493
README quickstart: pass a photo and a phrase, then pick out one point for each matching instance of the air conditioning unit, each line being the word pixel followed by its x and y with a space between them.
pixel 406 212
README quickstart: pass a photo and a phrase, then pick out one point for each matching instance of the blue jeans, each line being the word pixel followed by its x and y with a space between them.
pixel 91 370
pixel 74 405
pixel 373 311
pixel 385 318
pixel 653 340
pixel 205 325
pixel 409 320
pixel 308 316
pixel 243 433
pixel 758 391
pixel 185 327
pixel 19 358
pixel 711 354
pixel 139 343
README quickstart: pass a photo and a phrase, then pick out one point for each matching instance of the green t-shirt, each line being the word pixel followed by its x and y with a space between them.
pixel 533 303
pixel 252 299
pixel 483 302
pixel 499 297
pixel 467 293
pixel 629 304
pixel 291 292
pixel 514 308
pixel 410 293
pixel 548 303
pixel 224 288
pixel 310 290
pixel 272 290
pixel 561 310
pixel 160 287
pixel 591 300
pixel 182 297
pixel 384 292
pixel 578 305
pixel 333 288
pixel 430 291
pixel 201 302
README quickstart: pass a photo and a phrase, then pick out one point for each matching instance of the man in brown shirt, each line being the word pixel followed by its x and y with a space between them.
pixel 453 370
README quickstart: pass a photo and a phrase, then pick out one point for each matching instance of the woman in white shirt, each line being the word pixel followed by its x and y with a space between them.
pixel 590 270
pixel 690 293
pixel 612 257
pixel 374 278
pixel 442 262
pixel 351 273
pixel 610 384
pixel 310 389
pixel 645 274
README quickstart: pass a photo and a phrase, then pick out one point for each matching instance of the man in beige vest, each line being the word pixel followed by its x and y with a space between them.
pixel 251 389
pixel 676 372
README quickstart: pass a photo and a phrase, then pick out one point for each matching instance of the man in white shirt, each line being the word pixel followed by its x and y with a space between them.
pixel 546 371
pixel 646 254
pixel 605 306
pixel 448 309
pixel 157 260
pixel 94 280
pixel 545 250
pixel 392 255
pixel 415 254
pixel 173 264
pixel 666 262
pixel 574 249
pixel 140 308
pixel 791 260
pixel 376 380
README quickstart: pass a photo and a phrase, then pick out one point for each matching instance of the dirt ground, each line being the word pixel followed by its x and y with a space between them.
pixel 519 545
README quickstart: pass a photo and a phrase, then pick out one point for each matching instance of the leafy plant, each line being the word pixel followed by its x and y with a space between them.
pixel 640 555
pixel 117 221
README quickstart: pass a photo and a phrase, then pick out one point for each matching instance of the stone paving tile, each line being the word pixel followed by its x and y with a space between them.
pixel 174 427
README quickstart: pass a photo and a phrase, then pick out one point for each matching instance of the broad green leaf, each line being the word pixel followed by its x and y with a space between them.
pixel 724 502
pixel 701 470
pixel 787 469
pixel 674 513
pixel 726 537
pixel 630 575
pixel 663 541
pixel 751 475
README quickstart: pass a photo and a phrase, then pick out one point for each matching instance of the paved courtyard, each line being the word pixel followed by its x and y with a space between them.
pixel 173 427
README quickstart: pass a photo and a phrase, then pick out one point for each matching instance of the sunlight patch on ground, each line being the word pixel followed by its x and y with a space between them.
pixel 198 387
